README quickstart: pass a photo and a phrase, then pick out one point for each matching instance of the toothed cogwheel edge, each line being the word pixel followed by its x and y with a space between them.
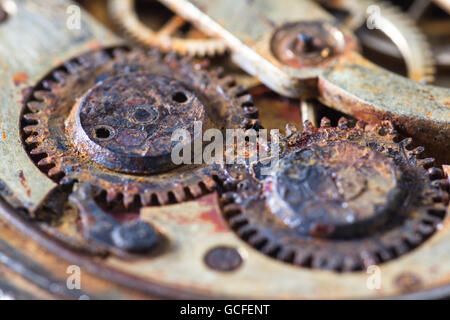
pixel 124 15
pixel 258 222
pixel 54 152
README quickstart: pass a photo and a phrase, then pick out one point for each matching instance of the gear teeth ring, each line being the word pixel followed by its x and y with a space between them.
pixel 67 149
pixel 341 198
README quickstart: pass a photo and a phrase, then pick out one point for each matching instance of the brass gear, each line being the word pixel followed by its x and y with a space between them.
pixel 106 118
pixel 124 14
pixel 340 199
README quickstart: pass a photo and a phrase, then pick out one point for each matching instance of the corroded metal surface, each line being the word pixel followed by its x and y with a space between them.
pixel 340 199
pixel 45 42
pixel 418 110
pixel 129 106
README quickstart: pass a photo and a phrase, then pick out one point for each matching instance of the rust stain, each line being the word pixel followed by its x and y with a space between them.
pixel 23 182
pixel 213 217
pixel 20 78
pixel 4 135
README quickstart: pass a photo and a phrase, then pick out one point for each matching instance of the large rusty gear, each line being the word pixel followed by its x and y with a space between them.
pixel 124 14
pixel 340 198
pixel 107 117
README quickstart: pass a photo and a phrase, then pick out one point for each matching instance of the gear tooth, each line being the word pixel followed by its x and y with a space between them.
pixel 38 151
pixel 66 180
pixel 343 123
pixel 303 258
pixel 286 255
pixel 42 95
pixel 54 172
pixel 246 231
pixel 163 197
pixel 256 239
pixel 31 129
pixel 35 106
pixel 228 197
pixel 227 81
pixel 146 198
pixel 413 239
pixel 319 261
pixel 60 76
pixel 425 229
pixel 128 199
pixel 72 67
pixel 179 194
pixel 417 151
pixel 232 209
pixel 246 100
pixel 49 85
pixel 401 248
pixel 210 183
pixel 427 162
pixel 32 139
pixel 31 117
pixel 111 195
pixel 238 221
pixel 350 263
pixel 238 91
pixel 195 190
pixel 308 127
pixel 46 161
pixel 271 249
pixel 325 122
pixel 406 142
pixel 368 258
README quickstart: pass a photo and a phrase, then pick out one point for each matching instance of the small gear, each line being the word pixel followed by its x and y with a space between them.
pixel 107 118
pixel 340 198
pixel 123 12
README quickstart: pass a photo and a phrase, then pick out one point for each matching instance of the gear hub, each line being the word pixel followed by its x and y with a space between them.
pixel 125 123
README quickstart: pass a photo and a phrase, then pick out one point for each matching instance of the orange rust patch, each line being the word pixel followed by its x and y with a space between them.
pixel 20 78
pixel 23 182
pixel 4 134
pixel 214 217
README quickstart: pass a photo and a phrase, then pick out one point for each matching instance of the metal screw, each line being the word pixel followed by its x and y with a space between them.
pixel 307 43
pixel 223 259
pixel 137 237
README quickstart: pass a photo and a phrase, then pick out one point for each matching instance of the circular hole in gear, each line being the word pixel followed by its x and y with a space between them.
pixel 145 114
pixel 180 97
pixel 103 132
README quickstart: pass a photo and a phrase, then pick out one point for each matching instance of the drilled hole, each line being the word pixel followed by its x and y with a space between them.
pixel 103 132
pixel 180 97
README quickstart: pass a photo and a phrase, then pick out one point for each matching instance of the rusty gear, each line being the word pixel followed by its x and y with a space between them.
pixel 339 198
pixel 124 14
pixel 107 118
